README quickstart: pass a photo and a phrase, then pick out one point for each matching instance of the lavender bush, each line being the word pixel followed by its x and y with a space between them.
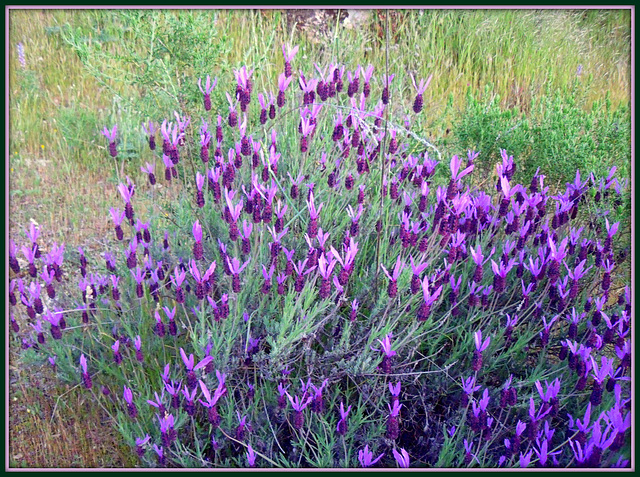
pixel 301 280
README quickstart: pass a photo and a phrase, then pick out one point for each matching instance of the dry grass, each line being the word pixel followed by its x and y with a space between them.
pixel 54 426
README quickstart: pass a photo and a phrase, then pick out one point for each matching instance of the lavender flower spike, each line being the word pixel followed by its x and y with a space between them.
pixel 111 136
pixel 420 88
pixel 385 366
pixel 342 423
pixel 365 456
pixel 392 290
pixel 402 458
pixel 208 87
pixel 480 347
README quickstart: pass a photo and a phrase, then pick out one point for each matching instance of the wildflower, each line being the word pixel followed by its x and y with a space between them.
pixel 392 289
pixel 386 81
pixel 162 461
pixel 480 347
pixel 251 456
pixel 385 366
pixel 159 328
pixel 402 458
pixel 342 428
pixel 140 444
pixel 283 84
pixel 192 381
pixel 546 330
pixel 236 268
pixel 158 404
pixel 131 407
pixel 354 82
pixel 366 457
pixel 600 373
pixel 354 310
pixel 511 323
pixel 30 255
pixel 429 298
pixel 288 54
pixel 126 194
pixel 468 388
pixel 535 418
pixel 117 357
pixel 557 254
pixel 208 87
pixel 299 404
pixel 599 442
pixel 525 459
pixel 326 269
pixel 13 261
pixel 189 401
pixel 420 89
pixel 395 391
pixel 167 431
pixel 468 456
pixel 366 74
pixel 317 403
pixel 111 136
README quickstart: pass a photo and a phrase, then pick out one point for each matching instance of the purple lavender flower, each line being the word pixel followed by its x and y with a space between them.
pixel 395 391
pixel 500 273
pixel 326 269
pixel 289 54
pixel 429 298
pixel 140 445
pixel 420 89
pixel 212 400
pixel 392 289
pixel 208 87
pixel 162 460
pixel 111 136
pixel 150 131
pixel 525 459
pixel 469 457
pixel 402 458
pixel 314 214
pixel 388 353
pixel 158 403
pixel 236 269
pixel 192 380
pixel 299 404
pixel 117 357
pixel 366 74
pixel 251 456
pixel 366 457
pixel 126 194
pixel 131 407
pixel 480 347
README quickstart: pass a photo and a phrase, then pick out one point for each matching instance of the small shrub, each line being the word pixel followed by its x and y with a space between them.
pixel 299 296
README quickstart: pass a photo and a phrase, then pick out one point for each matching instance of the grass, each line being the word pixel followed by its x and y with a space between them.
pixel 59 426
pixel 86 69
